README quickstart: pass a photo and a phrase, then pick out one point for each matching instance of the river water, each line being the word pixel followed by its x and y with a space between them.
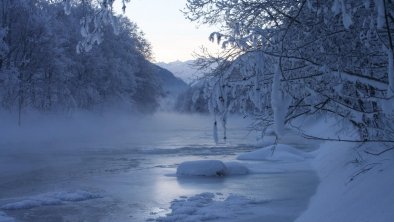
pixel 130 165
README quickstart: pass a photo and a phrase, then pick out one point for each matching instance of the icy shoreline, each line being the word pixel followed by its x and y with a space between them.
pixel 346 191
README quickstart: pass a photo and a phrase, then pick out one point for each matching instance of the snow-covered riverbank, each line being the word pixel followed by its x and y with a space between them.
pixel 354 186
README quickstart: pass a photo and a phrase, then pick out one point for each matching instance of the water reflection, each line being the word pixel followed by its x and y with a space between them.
pixel 133 164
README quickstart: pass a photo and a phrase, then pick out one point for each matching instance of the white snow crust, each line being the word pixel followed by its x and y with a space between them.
pixel 49 199
pixel 341 197
pixel 210 207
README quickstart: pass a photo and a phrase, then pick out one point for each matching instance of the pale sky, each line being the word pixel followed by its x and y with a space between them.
pixel 172 36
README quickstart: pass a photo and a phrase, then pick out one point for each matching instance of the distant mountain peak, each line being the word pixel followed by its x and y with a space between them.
pixel 184 70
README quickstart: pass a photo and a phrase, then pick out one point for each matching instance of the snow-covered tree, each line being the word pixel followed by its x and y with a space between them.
pixel 333 57
pixel 41 70
pixel 93 22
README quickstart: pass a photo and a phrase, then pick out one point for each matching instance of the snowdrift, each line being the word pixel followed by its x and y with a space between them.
pixel 351 190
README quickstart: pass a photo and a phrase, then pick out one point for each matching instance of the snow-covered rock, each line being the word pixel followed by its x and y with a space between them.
pixel 201 168
pixel 206 207
pixel 210 168
pixel 274 152
pixel 48 199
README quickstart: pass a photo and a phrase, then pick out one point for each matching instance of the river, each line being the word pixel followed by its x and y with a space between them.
pixel 129 168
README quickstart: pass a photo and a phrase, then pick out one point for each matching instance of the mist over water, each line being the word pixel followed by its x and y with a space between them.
pixel 127 164
pixel 161 129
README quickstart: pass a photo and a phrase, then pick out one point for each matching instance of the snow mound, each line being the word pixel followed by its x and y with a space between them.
pixel 210 168
pixel 49 199
pixel 5 218
pixel 204 207
pixel 235 168
pixel 201 168
pixel 274 152
pixel 75 196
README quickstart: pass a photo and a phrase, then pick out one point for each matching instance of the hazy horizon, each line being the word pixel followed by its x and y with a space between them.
pixel 173 38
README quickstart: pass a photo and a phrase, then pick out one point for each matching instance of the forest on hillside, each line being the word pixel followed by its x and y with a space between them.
pixel 61 57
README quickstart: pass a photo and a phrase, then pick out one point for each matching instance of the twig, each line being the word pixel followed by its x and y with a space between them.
pixel 347 140
pixel 365 169
pixel 379 153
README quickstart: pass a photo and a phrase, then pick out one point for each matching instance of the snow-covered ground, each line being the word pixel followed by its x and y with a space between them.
pixel 351 189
